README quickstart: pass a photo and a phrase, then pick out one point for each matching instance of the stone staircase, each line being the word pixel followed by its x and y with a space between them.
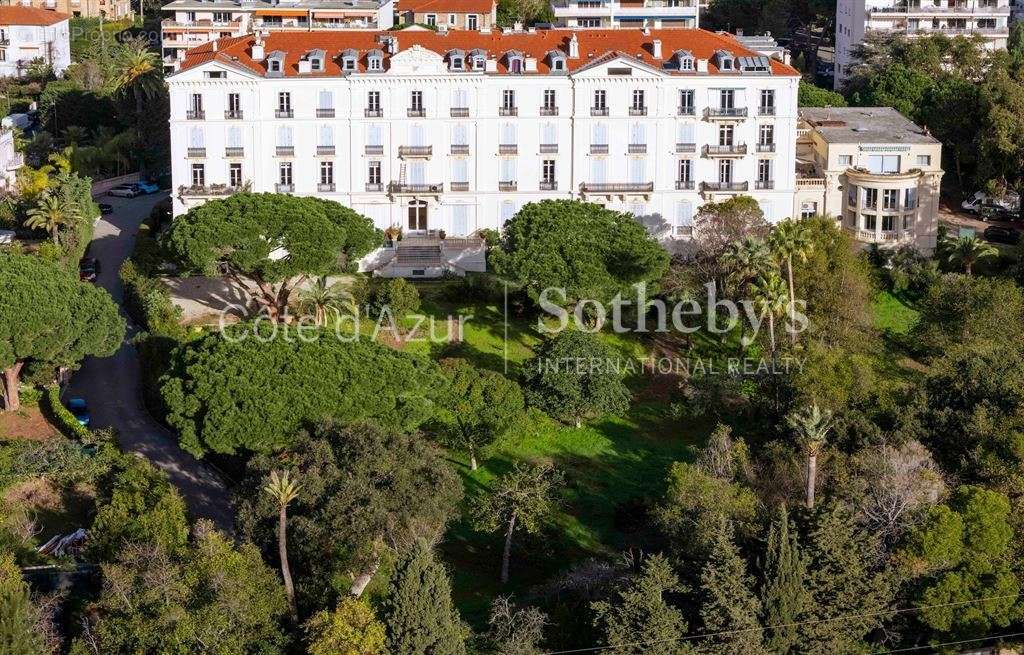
pixel 412 255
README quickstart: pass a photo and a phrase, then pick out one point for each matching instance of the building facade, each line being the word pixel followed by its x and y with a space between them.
pixel 191 23
pixel 655 14
pixel 989 19
pixel 109 9
pixel 874 171
pixel 28 34
pixel 456 131
pixel 449 14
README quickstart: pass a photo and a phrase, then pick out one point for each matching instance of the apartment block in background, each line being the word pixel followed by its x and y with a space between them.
pixel 449 14
pixel 656 14
pixel 988 19
pixel 28 34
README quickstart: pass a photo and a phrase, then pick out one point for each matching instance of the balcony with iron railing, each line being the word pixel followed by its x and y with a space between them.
pixel 637 111
pixel 636 148
pixel 684 185
pixel 766 110
pixel 687 111
pixel 508 148
pixel 415 152
pixel 731 150
pixel 285 151
pixel 725 186
pixel 548 185
pixel 683 148
pixel 325 112
pixel 370 112
pixel 460 149
pixel 195 153
pixel 325 150
pixel 726 113
pixel 507 185
pixel 406 188
pixel 284 113
pixel 460 112
pixel 617 187
pixel 281 187
pixel 416 112
pixel 549 111
pixel 233 114
pixel 205 190
pixel 599 148
pixel 460 186
pixel 195 114
pixel 373 150
pixel 374 187
pixel 766 147
pixel 327 187
pixel 764 185
pixel 598 111
pixel 508 111
pixel 548 148
pixel 234 151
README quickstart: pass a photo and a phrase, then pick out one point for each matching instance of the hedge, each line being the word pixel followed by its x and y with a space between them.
pixel 65 420
pixel 148 302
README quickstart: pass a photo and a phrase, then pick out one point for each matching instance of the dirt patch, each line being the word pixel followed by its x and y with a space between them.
pixel 37 493
pixel 26 423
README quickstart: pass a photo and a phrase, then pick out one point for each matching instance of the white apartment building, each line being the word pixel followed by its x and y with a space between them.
pixel 191 23
pixel 874 171
pixel 656 14
pixel 29 33
pixel 989 19
pixel 456 131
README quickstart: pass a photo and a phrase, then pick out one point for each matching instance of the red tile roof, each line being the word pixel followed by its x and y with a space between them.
pixel 593 44
pixel 445 6
pixel 17 15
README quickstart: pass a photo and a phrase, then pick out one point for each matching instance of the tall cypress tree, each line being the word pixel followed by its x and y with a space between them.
pixel 783 595
pixel 729 604
pixel 18 631
pixel 418 613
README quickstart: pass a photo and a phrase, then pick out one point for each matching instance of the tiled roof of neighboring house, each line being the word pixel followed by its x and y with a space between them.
pixel 593 45
pixel 17 15
pixel 445 6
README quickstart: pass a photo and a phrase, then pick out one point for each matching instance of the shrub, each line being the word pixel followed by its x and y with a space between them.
pixel 398 295
pixel 149 303
pixel 65 420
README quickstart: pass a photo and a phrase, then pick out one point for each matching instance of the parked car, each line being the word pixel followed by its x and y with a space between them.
pixel 125 191
pixel 147 187
pixel 1010 202
pixel 991 211
pixel 998 234
pixel 106 208
pixel 80 409
pixel 89 269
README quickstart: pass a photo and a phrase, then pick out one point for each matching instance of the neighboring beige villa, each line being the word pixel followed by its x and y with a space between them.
pixel 872 169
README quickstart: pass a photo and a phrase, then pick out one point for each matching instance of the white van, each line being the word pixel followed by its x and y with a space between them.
pixel 1010 202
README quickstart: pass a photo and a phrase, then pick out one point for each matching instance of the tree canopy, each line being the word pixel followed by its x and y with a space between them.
pixel 273 241
pixel 588 251
pixel 225 394
pixel 49 319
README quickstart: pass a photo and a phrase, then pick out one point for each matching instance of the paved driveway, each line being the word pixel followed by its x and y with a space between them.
pixel 112 385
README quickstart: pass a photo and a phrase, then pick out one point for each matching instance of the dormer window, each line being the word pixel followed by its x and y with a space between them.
pixel 684 60
pixel 478 59
pixel 349 59
pixel 375 60
pixel 515 61
pixel 316 60
pixel 275 63
pixel 755 64
pixel 725 60
pixel 556 60
pixel 457 60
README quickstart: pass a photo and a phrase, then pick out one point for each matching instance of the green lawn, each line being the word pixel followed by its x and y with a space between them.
pixel 893 314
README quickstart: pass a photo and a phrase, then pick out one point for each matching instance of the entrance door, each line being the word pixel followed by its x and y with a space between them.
pixel 417 216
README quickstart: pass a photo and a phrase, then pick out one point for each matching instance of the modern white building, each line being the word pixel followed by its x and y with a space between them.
pixel 456 131
pixel 656 14
pixel 28 34
pixel 190 23
pixel 874 171
pixel 989 19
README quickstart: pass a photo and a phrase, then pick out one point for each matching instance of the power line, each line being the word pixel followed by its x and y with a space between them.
pixel 705 635
pixel 948 643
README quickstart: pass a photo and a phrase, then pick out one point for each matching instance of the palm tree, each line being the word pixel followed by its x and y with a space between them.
pixel 746 260
pixel 138 72
pixel 284 490
pixel 50 214
pixel 769 295
pixel 323 299
pixel 790 240
pixel 967 250
pixel 811 427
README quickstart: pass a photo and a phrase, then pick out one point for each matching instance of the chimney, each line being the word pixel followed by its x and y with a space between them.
pixel 647 31
pixel 393 45
pixel 257 50
pixel 213 45
pixel 574 47
pixel 702 65
pixel 517 27
pixel 656 48
pixel 739 31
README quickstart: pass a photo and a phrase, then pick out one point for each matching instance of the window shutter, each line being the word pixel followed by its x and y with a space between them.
pixel 195 137
pixel 326 99
pixel 234 137
pixel 686 133
pixel 460 170
pixel 636 170
pixel 326 135
pixel 460 134
pixel 373 136
pixel 684 214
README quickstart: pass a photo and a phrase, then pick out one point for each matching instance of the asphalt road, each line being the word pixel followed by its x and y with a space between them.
pixel 112 385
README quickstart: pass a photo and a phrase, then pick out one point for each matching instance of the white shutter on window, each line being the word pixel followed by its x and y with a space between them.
pixel 284 136
pixel 373 136
pixel 600 134
pixel 684 214
pixel 460 170
pixel 508 133
pixel 195 137
pixel 460 98
pixel 416 173
pixel 326 135
pixel 326 99
pixel 234 137
pixel 508 170
pixel 686 133
pixel 416 135
pixel 597 171
pixel 549 134
pixel 636 170
pixel 508 210
pixel 460 135
pixel 638 134
pixel 460 220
